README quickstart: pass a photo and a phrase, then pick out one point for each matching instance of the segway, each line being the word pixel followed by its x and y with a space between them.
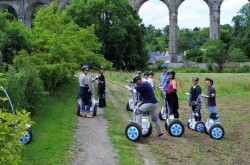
pixel 27 136
pixel 214 129
pixel 133 130
pixel 198 126
pixel 173 126
pixel 132 99
pixel 94 101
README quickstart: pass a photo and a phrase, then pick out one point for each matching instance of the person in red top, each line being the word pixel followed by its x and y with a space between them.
pixel 171 95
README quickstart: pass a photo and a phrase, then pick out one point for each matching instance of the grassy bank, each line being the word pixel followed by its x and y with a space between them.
pixel 53 129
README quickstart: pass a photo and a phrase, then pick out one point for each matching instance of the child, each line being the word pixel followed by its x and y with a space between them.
pixel 86 101
pixel 195 91
pixel 211 102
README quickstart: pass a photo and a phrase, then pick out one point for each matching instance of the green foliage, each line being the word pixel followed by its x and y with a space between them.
pixel 118 28
pixel 14 36
pixel 195 55
pixel 237 55
pixel 215 52
pixel 11 129
pixel 25 88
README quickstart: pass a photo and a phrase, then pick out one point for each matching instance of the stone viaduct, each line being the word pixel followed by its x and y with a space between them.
pixel 24 10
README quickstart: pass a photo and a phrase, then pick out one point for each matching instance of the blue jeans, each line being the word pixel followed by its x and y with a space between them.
pixel 86 106
pixel 213 109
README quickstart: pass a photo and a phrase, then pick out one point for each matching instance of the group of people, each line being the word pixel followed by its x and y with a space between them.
pixel 168 86
pixel 85 92
pixel 145 87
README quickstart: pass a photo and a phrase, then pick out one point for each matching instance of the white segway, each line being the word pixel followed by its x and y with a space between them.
pixel 27 136
pixel 133 130
pixel 94 105
pixel 212 128
pixel 174 126
pixel 133 99
pixel 198 126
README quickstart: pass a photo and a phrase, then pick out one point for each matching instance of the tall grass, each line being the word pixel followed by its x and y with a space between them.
pixel 53 129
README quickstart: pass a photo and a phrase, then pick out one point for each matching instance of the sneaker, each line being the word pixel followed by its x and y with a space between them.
pixel 160 135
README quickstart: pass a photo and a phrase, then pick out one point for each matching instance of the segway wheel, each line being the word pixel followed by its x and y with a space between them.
pixel 162 116
pixel 95 110
pixel 216 131
pixel 27 137
pixel 127 107
pixel 133 132
pixel 199 126
pixel 175 128
pixel 149 131
pixel 78 110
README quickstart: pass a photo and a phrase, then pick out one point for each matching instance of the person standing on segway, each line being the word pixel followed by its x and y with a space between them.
pixel 149 104
pixel 164 77
pixel 101 87
pixel 211 102
pixel 195 91
pixel 84 91
pixel 171 94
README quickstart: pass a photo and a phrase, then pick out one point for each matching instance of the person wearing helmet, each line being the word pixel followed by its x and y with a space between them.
pixel 146 78
pixel 164 77
pixel 211 102
pixel 150 102
pixel 171 94
pixel 150 79
pixel 101 87
pixel 84 92
pixel 195 91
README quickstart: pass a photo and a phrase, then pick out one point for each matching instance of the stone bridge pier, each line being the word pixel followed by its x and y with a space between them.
pixel 173 6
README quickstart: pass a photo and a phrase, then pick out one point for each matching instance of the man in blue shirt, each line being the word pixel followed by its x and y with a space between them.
pixel 150 103
pixel 164 77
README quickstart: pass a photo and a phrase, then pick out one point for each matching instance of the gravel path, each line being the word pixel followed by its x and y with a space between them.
pixel 92 135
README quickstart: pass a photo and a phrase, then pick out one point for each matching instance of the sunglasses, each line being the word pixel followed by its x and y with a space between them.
pixel 87 70
pixel 163 68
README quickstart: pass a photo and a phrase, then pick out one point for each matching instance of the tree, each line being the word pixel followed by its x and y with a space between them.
pixel 215 52
pixel 118 28
pixel 237 55
pixel 14 36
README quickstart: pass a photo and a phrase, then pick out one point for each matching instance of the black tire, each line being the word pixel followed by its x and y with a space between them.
pixel 78 110
pixel 199 126
pixel 133 132
pixel 27 137
pixel 149 131
pixel 216 131
pixel 176 128
pixel 127 106
pixel 95 110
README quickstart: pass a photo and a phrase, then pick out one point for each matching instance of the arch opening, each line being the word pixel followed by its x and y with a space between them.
pixel 10 9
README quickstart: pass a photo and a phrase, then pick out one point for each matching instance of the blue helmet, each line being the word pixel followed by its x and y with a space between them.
pixel 164 65
pixel 171 72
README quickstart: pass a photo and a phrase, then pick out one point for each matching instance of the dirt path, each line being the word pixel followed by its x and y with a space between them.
pixel 92 135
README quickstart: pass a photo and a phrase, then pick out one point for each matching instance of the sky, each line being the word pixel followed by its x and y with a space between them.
pixel 191 13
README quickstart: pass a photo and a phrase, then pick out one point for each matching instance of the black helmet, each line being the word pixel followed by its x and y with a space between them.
pixel 171 71
pixel 209 79
pixel 195 78
pixel 136 77
pixel 85 67
pixel 146 73
pixel 103 67
pixel 151 73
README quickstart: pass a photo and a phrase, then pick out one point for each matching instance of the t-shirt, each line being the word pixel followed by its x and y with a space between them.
pixel 211 99
pixel 83 79
pixel 163 79
pixel 146 92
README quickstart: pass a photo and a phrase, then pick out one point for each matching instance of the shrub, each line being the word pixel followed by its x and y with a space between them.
pixel 237 55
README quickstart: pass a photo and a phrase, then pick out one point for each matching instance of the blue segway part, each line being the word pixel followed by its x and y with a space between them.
pixel 216 131
pixel 26 138
pixel 200 126
pixel 133 132
pixel 176 128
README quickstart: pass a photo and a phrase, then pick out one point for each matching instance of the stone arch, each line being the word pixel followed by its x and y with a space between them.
pixel 62 4
pixel 11 8
pixel 30 11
